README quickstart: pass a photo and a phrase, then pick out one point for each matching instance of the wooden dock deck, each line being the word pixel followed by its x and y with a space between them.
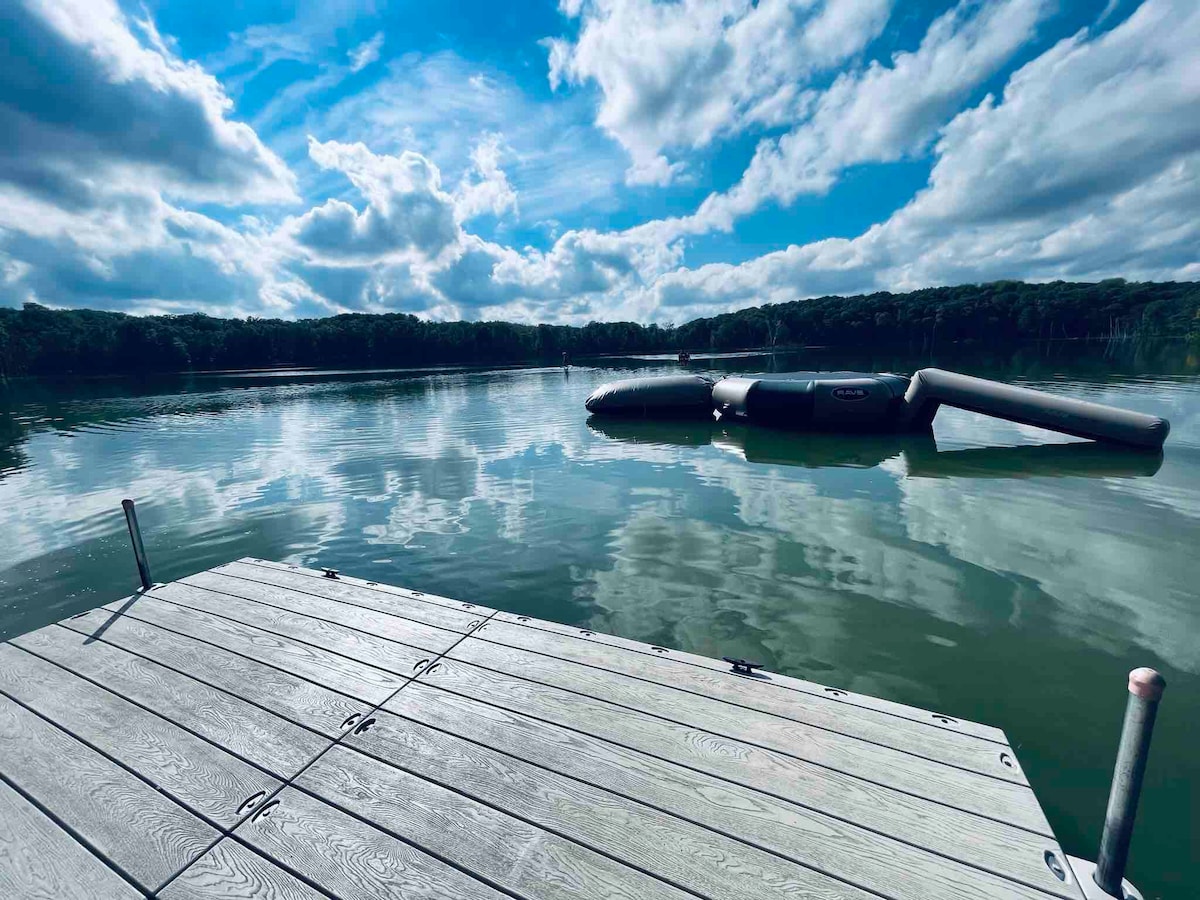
pixel 263 730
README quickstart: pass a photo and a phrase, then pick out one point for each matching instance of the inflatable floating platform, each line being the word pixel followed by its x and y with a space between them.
pixel 856 401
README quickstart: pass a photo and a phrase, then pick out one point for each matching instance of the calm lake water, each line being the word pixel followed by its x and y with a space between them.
pixel 993 572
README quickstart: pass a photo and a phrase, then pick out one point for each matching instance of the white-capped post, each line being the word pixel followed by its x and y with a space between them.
pixel 1145 690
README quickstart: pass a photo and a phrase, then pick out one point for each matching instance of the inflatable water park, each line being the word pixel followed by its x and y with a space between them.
pixel 864 402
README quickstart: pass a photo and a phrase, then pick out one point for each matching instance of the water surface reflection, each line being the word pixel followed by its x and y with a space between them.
pixel 990 570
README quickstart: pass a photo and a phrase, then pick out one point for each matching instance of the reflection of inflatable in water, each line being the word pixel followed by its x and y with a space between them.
pixel 922 459
pixel 855 401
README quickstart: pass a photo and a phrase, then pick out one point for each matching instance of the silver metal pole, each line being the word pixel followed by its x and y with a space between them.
pixel 139 549
pixel 1145 690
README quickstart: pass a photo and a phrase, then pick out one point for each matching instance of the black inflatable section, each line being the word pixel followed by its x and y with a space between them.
pixel 670 395
pixel 859 401
pixel 817 400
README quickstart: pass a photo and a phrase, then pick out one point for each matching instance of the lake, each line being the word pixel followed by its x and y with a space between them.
pixel 992 572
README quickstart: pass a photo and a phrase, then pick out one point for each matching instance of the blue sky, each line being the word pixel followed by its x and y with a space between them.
pixel 595 159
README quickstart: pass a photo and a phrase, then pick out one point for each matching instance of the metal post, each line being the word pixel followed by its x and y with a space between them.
pixel 1145 690
pixel 139 550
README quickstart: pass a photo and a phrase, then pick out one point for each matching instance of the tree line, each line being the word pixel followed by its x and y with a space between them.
pixel 36 340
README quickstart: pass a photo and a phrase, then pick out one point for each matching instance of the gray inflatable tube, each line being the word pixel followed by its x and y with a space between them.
pixel 931 388
pixel 856 401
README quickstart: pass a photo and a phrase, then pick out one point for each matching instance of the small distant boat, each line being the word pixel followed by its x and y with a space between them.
pixel 880 402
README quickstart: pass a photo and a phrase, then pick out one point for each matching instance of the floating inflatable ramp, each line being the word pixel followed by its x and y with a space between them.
pixel 858 401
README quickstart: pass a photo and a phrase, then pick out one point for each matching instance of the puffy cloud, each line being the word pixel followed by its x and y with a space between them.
pixel 407 210
pixel 878 114
pixel 1089 120
pixel 439 104
pixel 486 188
pixel 884 112
pixel 76 76
pixel 407 249
pixel 141 254
pixel 102 122
pixel 677 75
pixel 579 278
pixel 1085 168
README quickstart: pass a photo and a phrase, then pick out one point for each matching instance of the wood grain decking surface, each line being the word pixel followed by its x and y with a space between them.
pixel 263 731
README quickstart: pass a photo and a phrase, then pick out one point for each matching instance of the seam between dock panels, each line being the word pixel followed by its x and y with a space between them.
pixel 676 815
pixel 290 783
pixel 222 831
pixel 618 675
pixel 484 621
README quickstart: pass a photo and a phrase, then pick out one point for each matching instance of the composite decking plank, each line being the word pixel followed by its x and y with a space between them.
pixel 510 853
pixel 961 750
pixel 534 761
pixel 677 851
pixel 40 861
pixel 351 859
pixel 269 741
pixel 339 591
pixel 121 817
pixel 336 672
pixel 374 587
pixel 855 799
pixel 389 655
pixel 382 624
pixel 772 683
pixel 893 768
pixel 292 697
pixel 956 847
pixel 200 775
pixel 231 871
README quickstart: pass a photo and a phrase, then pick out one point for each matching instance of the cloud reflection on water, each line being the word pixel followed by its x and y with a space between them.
pixel 493 487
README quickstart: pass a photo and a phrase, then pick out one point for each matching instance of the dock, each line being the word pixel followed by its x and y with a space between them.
pixel 263 730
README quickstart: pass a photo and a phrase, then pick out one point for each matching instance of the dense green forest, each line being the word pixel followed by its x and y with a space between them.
pixel 36 340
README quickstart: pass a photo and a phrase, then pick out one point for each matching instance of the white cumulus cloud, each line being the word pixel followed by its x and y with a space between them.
pixel 1087 167
pixel 678 75
pixel 485 189
pixel 76 75
pixel 407 211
